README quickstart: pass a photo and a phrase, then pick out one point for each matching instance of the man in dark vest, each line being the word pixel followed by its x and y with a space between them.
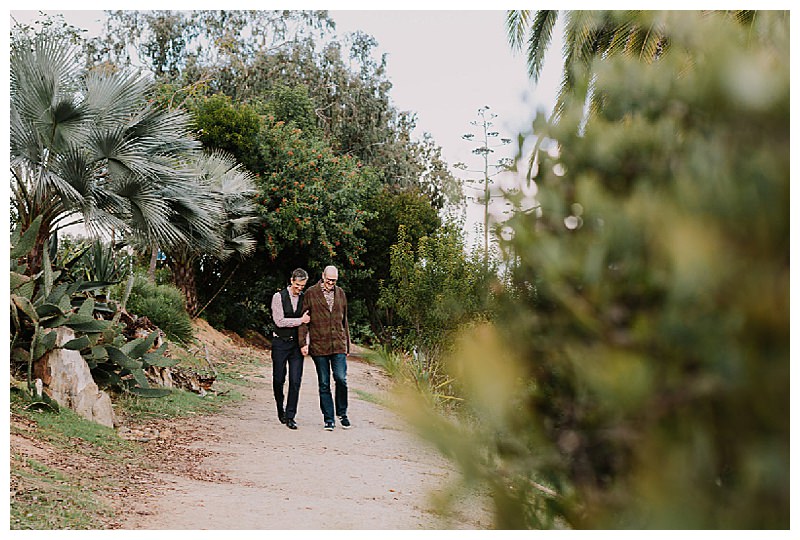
pixel 287 306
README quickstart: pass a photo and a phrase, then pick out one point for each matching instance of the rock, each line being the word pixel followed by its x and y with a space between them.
pixel 68 381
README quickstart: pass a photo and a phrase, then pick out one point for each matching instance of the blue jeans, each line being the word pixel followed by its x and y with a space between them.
pixel 338 364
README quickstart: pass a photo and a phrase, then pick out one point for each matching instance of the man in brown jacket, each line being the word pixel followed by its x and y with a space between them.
pixel 327 339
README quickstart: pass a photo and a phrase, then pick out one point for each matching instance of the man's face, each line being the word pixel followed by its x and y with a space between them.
pixel 297 285
pixel 329 281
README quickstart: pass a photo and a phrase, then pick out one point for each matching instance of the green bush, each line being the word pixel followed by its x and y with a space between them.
pixel 637 375
pixel 163 305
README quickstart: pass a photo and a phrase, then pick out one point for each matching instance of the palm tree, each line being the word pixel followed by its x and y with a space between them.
pixel 229 187
pixel 89 146
pixel 588 35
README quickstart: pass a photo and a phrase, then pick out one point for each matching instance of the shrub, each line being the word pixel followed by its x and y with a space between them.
pixel 163 305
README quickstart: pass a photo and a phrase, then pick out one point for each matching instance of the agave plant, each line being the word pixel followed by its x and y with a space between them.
pixel 37 313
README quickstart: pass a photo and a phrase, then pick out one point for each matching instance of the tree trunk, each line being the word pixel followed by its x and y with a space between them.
pixel 35 258
pixel 151 270
pixel 183 275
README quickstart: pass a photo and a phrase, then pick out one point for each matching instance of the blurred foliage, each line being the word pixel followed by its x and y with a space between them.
pixel 637 375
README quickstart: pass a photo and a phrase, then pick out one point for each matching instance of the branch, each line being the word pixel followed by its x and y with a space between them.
pixel 218 291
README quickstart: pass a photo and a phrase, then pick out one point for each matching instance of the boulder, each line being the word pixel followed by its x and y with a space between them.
pixel 68 381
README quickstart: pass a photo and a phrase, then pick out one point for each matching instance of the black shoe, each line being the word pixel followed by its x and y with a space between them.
pixel 291 424
pixel 329 425
pixel 282 417
pixel 345 422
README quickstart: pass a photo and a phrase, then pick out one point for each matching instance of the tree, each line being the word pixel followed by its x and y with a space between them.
pixel 433 290
pixel 230 188
pixel 227 126
pixel 390 211
pixel 311 203
pixel 258 56
pixel 90 144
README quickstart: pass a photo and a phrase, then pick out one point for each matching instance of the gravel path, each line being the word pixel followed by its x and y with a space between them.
pixel 376 475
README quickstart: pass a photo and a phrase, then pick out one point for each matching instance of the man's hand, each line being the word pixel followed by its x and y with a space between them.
pixel 306 318
pixel 304 350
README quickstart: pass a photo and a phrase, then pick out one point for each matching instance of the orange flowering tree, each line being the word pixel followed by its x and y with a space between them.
pixel 312 201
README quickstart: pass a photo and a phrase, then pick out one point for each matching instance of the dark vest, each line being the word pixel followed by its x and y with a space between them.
pixel 289 313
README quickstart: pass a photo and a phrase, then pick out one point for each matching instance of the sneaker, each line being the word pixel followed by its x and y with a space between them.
pixel 345 422
pixel 329 426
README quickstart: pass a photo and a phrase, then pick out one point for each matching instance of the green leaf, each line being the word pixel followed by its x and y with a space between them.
pixel 49 340
pixel 20 355
pixel 48 310
pixel 87 308
pixel 137 347
pixel 18 280
pixel 57 294
pixel 65 304
pixel 141 379
pixel 157 358
pixel 27 241
pixel 55 322
pixel 150 392
pixel 99 353
pixel 77 343
pixel 104 374
pixel 95 285
pixel 43 343
pixel 122 359
pixel 87 324
pixel 25 306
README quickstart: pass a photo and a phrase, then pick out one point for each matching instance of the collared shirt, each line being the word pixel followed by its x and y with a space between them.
pixel 277 310
pixel 329 295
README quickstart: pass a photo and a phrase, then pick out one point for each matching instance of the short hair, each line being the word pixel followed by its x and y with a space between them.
pixel 298 274
pixel 330 269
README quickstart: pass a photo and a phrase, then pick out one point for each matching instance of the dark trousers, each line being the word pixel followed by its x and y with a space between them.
pixel 338 364
pixel 286 352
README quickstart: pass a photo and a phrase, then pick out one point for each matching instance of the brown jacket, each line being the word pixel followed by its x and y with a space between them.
pixel 328 330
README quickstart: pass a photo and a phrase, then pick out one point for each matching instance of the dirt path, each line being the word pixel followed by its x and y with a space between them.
pixel 375 475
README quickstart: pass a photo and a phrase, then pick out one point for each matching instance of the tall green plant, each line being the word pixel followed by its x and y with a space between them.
pixel 638 374
pixel 91 147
